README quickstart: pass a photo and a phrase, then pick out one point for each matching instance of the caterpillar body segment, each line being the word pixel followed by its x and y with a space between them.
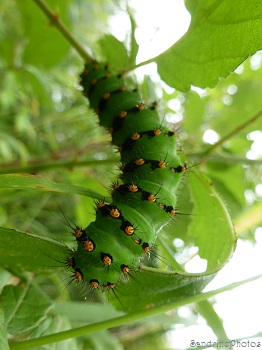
pixel 145 196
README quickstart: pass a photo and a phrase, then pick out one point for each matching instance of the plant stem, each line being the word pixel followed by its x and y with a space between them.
pixel 41 166
pixel 118 321
pixel 224 158
pixel 234 132
pixel 141 64
pixel 55 20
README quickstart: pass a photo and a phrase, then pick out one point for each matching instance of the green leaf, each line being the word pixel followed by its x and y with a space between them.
pixel 104 340
pixel 27 252
pixel 134 45
pixel 25 307
pixel 10 144
pixel 35 82
pixel 10 33
pixel 86 312
pixel 222 35
pixel 55 324
pixel 75 313
pixel 3 332
pixel 243 105
pixel 195 108
pixel 45 46
pixel 232 178
pixel 35 183
pixel 232 204
pixel 114 51
pixel 206 309
pixel 152 287
pixel 211 226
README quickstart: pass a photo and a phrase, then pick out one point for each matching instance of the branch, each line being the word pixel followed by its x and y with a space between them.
pixel 223 158
pixel 43 165
pixel 55 20
pixel 233 133
pixel 126 319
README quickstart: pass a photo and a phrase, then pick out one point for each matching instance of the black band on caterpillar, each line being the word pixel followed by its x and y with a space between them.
pixel 144 198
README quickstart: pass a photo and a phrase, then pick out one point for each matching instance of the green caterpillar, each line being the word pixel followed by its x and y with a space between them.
pixel 144 198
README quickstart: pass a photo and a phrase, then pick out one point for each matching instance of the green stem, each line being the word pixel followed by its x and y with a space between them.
pixel 141 64
pixel 41 166
pixel 46 164
pixel 119 321
pixel 55 20
pixel 233 133
pixel 223 158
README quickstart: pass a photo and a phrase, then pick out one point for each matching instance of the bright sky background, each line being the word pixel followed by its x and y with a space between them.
pixel 160 24
pixel 155 21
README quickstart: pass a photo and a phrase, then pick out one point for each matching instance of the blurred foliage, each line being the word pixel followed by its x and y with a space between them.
pixel 46 130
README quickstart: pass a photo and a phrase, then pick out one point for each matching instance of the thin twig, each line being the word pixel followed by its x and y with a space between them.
pixel 55 164
pixel 55 20
pixel 223 158
pixel 233 133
